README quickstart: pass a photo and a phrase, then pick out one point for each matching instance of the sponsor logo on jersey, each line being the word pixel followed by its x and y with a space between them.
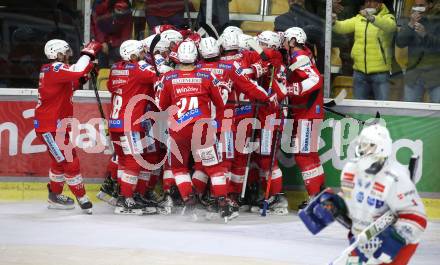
pixel 239 71
pixel 400 196
pixel 119 81
pixel 360 197
pixel 371 201
pixel 45 69
pixel 379 204
pixel 318 109
pixel 224 66
pixel 187 89
pixel 368 184
pixel 189 115
pixel 120 72
pixel 203 75
pixel 348 176
pixel 58 123
pixel 347 184
pixel 129 66
pixel 57 67
pixel 198 66
pixel 115 124
pixel 215 81
pixel 36 124
pixel 169 77
pixel 187 81
pixel 246 109
pixel 378 187
pixel 144 66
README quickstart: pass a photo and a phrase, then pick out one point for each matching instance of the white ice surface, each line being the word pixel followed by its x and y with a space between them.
pixel 27 229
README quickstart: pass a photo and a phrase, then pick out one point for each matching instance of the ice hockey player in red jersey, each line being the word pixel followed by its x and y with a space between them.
pixel 372 184
pixel 129 82
pixel 53 114
pixel 304 84
pixel 192 91
pixel 230 73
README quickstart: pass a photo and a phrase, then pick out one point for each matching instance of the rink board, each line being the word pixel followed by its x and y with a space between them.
pixel 413 127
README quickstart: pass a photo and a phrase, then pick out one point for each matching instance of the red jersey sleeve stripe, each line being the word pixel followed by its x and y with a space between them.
pixel 420 220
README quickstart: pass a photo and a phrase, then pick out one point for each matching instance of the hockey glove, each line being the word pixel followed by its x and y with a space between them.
pixel 322 211
pixel 91 49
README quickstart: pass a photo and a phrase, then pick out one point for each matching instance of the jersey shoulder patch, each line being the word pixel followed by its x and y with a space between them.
pixel 57 66
pixel 171 75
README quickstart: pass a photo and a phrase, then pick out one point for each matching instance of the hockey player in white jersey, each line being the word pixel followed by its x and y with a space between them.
pixel 372 184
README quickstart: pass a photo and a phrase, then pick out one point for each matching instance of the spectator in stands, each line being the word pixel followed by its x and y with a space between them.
pixel 313 26
pixel 111 25
pixel 165 12
pixel 373 29
pixel 421 34
pixel 139 19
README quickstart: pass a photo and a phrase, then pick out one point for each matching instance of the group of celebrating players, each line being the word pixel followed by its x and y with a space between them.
pixel 222 83
pixel 224 102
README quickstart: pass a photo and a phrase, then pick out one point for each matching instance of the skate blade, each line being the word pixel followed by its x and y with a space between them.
pixel 164 210
pixel 106 198
pixel 87 211
pixel 123 211
pixel 150 210
pixel 232 217
pixel 255 209
pixel 56 206
pixel 276 211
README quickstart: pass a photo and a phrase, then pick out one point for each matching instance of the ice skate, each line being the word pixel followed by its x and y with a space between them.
pixel 85 204
pixel 59 201
pixel 152 196
pixel 148 206
pixel 166 205
pixel 190 208
pixel 277 205
pixel 226 209
pixel 107 191
pixel 128 206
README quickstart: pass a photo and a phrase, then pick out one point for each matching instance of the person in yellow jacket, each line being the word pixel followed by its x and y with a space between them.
pixel 373 29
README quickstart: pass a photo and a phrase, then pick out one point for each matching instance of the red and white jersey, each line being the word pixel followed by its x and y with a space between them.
pixel 55 90
pixel 369 196
pixel 129 83
pixel 304 81
pixel 192 92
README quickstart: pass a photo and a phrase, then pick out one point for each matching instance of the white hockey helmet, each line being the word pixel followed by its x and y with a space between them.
pixel 269 38
pixel 163 45
pixel 187 52
pixel 147 41
pixel 235 29
pixel 373 145
pixel 229 40
pixel 172 36
pixel 209 48
pixel 297 33
pixel 129 48
pixel 55 46
pixel 243 41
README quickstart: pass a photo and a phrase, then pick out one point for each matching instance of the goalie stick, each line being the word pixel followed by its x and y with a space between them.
pixel 374 229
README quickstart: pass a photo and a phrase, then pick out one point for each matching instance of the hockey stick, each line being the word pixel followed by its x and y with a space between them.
pixel 101 110
pixel 188 14
pixel 154 42
pixel 337 100
pixel 375 228
pixel 362 122
pixel 272 162
pixel 209 29
pixel 248 160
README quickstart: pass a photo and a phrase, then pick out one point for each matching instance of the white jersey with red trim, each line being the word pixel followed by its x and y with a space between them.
pixel 369 196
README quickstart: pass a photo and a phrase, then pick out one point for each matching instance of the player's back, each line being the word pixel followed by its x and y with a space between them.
pixel 129 87
pixel 192 92
pixel 54 97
